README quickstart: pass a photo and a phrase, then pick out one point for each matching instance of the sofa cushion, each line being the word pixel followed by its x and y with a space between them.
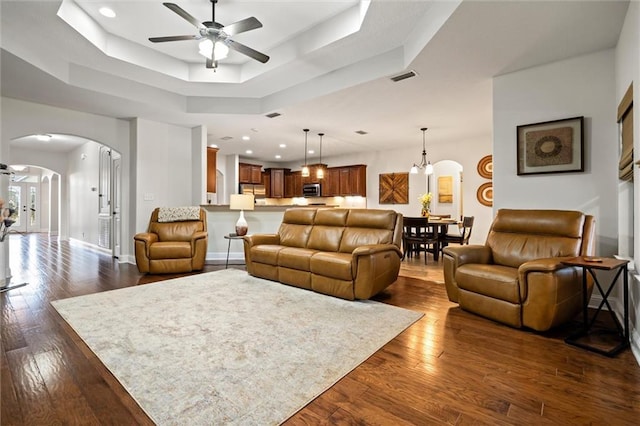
pixel 495 281
pixel 295 258
pixel 334 265
pixel 170 250
pixel 266 253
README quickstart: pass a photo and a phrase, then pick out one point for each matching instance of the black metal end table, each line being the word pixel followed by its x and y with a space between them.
pixel 621 331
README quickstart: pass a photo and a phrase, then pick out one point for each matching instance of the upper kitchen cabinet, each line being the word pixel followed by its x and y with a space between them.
pixel 352 180
pixel 275 182
pixel 212 168
pixel 250 173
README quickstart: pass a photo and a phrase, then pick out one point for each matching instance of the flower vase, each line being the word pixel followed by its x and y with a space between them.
pixel 425 212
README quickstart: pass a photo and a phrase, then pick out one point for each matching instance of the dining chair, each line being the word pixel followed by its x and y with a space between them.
pixel 462 236
pixel 417 236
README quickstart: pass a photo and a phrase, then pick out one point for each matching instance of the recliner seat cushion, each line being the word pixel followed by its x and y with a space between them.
pixel 266 253
pixel 496 281
pixel 170 250
pixel 334 265
pixel 295 258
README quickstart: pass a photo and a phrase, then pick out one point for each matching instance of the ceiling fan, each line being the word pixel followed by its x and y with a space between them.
pixel 215 38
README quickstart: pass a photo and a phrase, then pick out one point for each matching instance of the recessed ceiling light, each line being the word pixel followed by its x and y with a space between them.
pixel 43 137
pixel 107 12
pixel 278 156
pixel 248 151
pixel 246 138
pixel 283 145
pixel 213 145
pixel 311 151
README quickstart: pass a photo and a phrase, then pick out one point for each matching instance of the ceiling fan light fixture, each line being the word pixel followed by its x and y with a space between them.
pixel 220 51
pixel 205 48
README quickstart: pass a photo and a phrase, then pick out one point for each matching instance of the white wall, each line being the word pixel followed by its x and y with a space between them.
pixel 627 64
pixel 163 167
pixel 582 86
pixel 82 177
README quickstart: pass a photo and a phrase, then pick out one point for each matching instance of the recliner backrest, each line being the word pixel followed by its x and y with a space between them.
pixel 339 229
pixel 296 227
pixel 518 236
pixel 178 230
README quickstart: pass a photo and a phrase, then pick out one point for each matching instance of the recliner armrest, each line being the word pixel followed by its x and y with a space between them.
pixel 146 237
pixel 549 264
pixel 469 254
pixel 199 235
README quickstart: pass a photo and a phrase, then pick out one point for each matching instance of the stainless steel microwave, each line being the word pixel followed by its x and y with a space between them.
pixel 311 190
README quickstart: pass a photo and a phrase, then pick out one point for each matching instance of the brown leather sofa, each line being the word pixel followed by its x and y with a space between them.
pixel 348 253
pixel 517 277
pixel 173 246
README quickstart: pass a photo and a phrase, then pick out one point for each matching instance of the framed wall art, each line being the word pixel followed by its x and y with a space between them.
pixel 485 167
pixel 551 147
pixel 394 188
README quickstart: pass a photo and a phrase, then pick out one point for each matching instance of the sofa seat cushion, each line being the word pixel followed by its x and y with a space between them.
pixel 496 281
pixel 170 250
pixel 296 258
pixel 266 253
pixel 334 265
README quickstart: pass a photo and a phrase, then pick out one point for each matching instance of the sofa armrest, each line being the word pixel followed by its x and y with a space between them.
pixel 469 254
pixel 258 239
pixel 375 248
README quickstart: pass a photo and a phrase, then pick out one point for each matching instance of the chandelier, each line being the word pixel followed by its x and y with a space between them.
pixel 424 164
pixel 320 169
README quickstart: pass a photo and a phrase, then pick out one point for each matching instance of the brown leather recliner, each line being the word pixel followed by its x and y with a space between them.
pixel 517 277
pixel 172 245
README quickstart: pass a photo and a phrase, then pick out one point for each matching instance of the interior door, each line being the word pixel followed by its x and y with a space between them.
pixel 24 198
pixel 116 201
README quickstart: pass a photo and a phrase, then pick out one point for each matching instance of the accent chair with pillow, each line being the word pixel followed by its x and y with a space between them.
pixel 517 277
pixel 175 242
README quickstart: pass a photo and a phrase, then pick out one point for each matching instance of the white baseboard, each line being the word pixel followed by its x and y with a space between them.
pixel 90 246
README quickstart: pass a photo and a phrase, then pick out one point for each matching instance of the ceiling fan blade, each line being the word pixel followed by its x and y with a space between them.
pixel 242 26
pixel 172 38
pixel 260 57
pixel 185 15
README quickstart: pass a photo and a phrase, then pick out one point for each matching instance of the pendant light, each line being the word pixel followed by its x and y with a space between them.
pixel 320 169
pixel 424 164
pixel 305 168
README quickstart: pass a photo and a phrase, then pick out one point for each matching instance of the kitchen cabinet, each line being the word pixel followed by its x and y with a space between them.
pixel 331 182
pixel 353 180
pixel 212 169
pixel 275 182
pixel 250 173
pixel 292 184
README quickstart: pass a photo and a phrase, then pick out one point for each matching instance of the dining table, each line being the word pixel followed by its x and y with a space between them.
pixel 439 226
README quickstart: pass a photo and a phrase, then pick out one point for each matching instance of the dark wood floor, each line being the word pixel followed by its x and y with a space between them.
pixel 449 367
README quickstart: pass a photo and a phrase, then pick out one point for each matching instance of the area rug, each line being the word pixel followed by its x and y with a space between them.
pixel 227 348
